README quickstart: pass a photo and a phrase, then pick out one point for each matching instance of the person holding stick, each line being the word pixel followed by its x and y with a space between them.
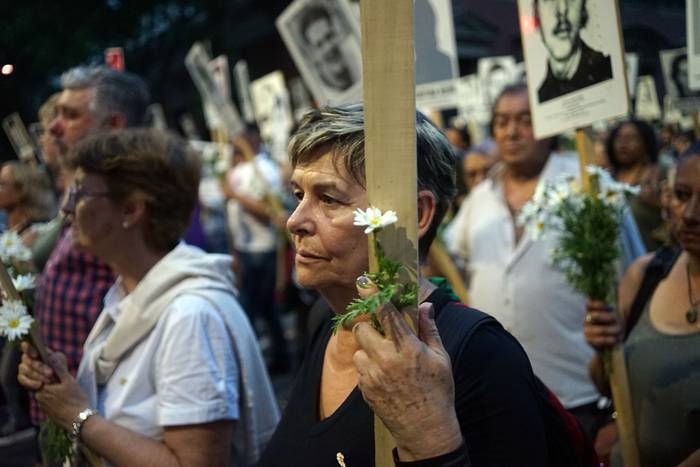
pixel 172 373
pixel 457 391
pixel 659 304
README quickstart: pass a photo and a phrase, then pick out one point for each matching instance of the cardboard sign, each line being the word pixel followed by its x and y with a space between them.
pixel 240 71
pixel 693 31
pixel 632 67
pixel 219 112
pixel 323 38
pixel 435 45
pixel 19 138
pixel 495 73
pixel 273 112
pixel 575 68
pixel 220 72
pixel 114 58
pixel 647 102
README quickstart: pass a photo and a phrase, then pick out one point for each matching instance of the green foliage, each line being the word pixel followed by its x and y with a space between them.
pixel 588 246
pixel 55 444
pixel 387 281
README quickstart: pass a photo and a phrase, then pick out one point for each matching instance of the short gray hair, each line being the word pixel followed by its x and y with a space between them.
pixel 340 131
pixel 115 91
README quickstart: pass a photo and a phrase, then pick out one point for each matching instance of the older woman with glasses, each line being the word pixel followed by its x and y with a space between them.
pixel 172 373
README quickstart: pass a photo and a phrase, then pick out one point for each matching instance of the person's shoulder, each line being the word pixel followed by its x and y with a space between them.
pixel 190 309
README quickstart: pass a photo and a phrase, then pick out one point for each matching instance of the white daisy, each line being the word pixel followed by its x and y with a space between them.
pixel 373 219
pixel 24 282
pixel 14 320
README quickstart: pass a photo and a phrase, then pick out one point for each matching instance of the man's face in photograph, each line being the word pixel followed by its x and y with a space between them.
pixel 325 46
pixel 560 25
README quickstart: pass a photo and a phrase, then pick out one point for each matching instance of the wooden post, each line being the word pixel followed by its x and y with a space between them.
pixel 390 143
pixel 442 262
pixel 619 382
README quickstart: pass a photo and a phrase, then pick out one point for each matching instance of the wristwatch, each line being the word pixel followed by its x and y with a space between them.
pixel 78 423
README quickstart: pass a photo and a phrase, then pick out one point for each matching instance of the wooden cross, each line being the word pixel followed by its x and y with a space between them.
pixel 390 143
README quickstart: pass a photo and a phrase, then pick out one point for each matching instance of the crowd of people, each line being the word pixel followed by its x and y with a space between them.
pixel 155 329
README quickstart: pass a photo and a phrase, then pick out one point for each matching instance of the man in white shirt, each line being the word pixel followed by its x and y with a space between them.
pixel 255 239
pixel 511 274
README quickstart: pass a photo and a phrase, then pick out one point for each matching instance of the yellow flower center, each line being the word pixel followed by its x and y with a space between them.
pixel 14 323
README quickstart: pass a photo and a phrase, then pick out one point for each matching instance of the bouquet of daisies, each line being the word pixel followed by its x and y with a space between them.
pixel 15 320
pixel 17 324
pixel 586 224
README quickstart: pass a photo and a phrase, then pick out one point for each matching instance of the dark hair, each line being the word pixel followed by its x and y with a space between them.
pixel 463 132
pixel 157 166
pixel 115 91
pixel 646 132
pixel 676 71
pixel 310 15
pixel 340 131
pixel 584 13
pixel 513 88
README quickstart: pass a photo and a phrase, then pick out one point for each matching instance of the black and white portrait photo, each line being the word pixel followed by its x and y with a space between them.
pixel 496 73
pixel 323 38
pixel 674 64
pixel 692 15
pixel 575 63
pixel 572 64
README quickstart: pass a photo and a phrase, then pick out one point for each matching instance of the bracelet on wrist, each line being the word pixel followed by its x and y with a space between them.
pixel 77 425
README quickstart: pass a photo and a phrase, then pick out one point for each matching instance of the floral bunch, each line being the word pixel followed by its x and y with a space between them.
pixel 586 224
pixel 15 320
pixel 386 278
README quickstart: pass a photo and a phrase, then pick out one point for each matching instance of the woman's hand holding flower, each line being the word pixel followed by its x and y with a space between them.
pixel 407 381
pixel 57 392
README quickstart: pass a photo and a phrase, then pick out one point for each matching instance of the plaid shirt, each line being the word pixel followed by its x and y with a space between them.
pixel 68 300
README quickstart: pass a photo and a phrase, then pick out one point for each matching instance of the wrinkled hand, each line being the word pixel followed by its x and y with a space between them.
pixel 407 381
pixel 601 327
pixel 57 392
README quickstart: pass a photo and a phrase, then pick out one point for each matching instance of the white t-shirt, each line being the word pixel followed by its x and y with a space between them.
pixel 253 179
pixel 184 372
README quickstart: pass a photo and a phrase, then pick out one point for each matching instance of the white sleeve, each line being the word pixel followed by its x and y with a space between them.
pixel 196 370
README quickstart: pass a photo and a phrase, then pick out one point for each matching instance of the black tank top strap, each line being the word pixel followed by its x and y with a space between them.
pixel 656 271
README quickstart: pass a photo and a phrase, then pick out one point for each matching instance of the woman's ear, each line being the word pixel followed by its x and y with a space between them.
pixel 427 207
pixel 133 211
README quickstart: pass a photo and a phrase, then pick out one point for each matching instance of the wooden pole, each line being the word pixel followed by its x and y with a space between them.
pixel 442 262
pixel 619 381
pixel 390 143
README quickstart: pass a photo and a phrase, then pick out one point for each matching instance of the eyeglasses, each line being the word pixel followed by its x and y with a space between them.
pixel 74 195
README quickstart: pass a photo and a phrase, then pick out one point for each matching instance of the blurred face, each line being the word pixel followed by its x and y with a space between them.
pixel 325 45
pixel 475 166
pixel 628 145
pixel 9 195
pixel 560 26
pixel 685 205
pixel 330 251
pixel 512 132
pixel 95 218
pixel 75 120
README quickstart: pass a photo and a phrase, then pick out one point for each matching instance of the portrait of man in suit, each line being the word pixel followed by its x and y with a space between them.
pixel 571 63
